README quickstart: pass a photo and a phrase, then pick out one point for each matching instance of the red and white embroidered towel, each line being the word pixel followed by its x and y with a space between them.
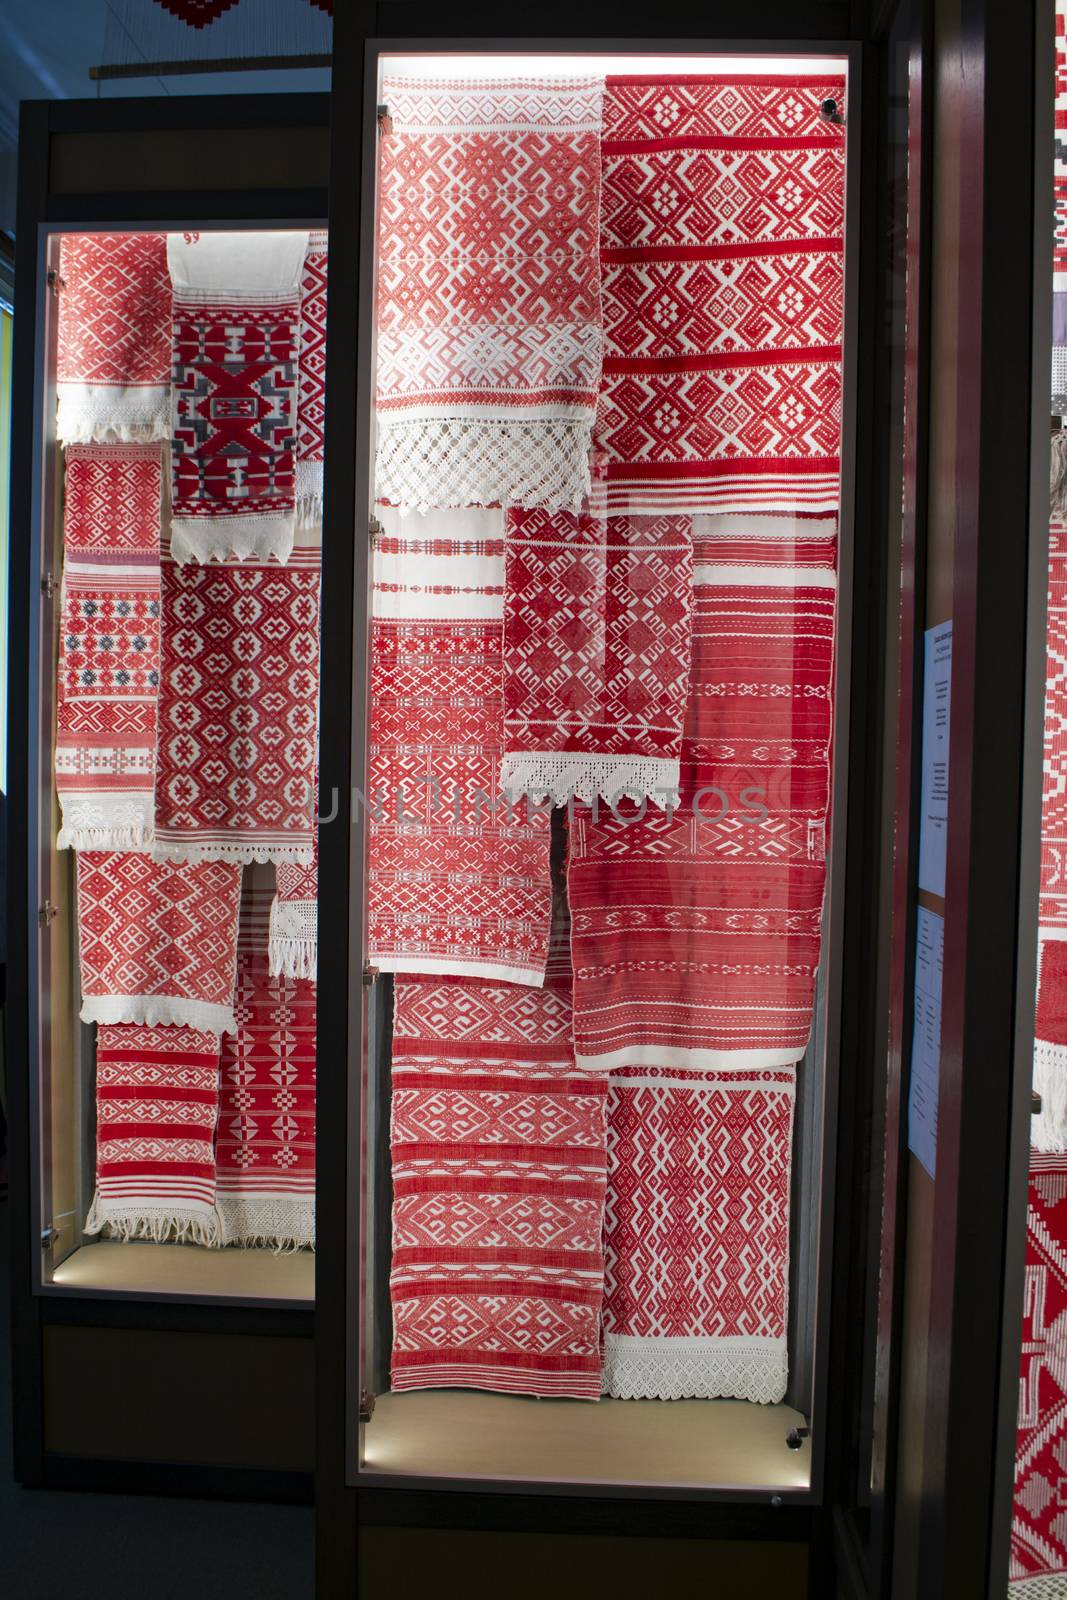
pixel 113 354
pixel 266 1137
pixel 158 942
pixel 311 387
pixel 489 323
pixel 1038 1565
pixel 597 620
pixel 293 943
pixel 157 1102
pixel 696 1239
pixel 696 930
pixel 108 681
pixel 233 451
pixel 1048 1131
pixel 721 246
pixel 459 878
pixel 238 709
pixel 498 1162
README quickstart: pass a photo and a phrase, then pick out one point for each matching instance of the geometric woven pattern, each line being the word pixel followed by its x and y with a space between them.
pixel 266 1137
pixel 108 680
pixel 489 329
pixel 236 326
pixel 238 710
pixel 158 942
pixel 1039 1517
pixel 1048 1131
pixel 498 1161
pixel 311 387
pixel 597 618
pixel 113 354
pixel 697 1234
pixel 157 1102
pixel 458 875
pixel 721 248
pixel 696 930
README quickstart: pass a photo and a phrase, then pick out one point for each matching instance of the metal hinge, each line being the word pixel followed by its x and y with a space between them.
pixel 48 585
pixel 1035 1103
pixel 49 1236
pixel 53 280
pixel 796 1436
pixel 370 975
pixel 375 530
pixel 385 121
pixel 47 913
pixel 366 1404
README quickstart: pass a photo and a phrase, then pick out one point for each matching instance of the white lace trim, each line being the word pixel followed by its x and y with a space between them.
pixel 308 493
pixel 248 537
pixel 152 1011
pixel 1046 1586
pixel 90 413
pixel 694 1369
pixel 453 967
pixel 161 1224
pixel 280 1222
pixel 90 825
pixel 455 462
pixel 559 778
pixel 1048 1130
pixel 301 855
pixel 292 947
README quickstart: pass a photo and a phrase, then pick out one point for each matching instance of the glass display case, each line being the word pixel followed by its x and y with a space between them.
pixel 167 529
pixel 610 509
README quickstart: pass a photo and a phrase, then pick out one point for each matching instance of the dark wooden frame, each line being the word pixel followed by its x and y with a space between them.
pixel 33 1309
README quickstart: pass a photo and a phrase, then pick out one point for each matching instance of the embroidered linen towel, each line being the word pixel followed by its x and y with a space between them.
pixel 311 388
pixel 697 1234
pixel 113 351
pixel 459 878
pixel 233 456
pixel 266 1137
pixel 238 709
pixel 489 322
pixel 108 681
pixel 1038 1565
pixel 293 943
pixel 498 1161
pixel 722 261
pixel 597 621
pixel 1048 1130
pixel 696 930
pixel 157 942
pixel 157 1102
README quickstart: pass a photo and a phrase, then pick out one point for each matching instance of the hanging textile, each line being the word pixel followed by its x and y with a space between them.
pixel 1038 1531
pixel 233 452
pixel 498 1163
pixel 597 620
pixel 696 930
pixel 113 338
pixel 293 943
pixel 697 1234
pixel 266 1137
pixel 311 387
pixel 1059 253
pixel 108 678
pixel 721 248
pixel 489 325
pixel 458 875
pixel 157 1101
pixel 238 709
pixel 1048 1130
pixel 157 942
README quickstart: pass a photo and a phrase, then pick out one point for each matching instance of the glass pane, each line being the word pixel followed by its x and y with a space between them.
pixel 184 382
pixel 609 333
